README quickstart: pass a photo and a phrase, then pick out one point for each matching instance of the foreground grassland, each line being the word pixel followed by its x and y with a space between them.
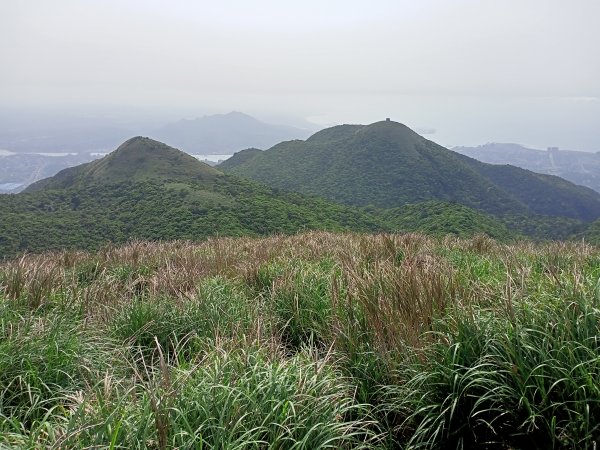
pixel 306 342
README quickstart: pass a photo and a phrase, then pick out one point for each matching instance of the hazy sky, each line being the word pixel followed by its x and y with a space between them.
pixel 475 71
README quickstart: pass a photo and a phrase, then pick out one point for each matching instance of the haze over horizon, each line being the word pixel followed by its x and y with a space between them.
pixel 473 72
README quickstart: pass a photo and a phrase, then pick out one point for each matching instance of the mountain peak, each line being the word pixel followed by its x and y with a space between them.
pixel 137 140
pixel 137 159
pixel 395 130
pixel 386 164
pixel 142 146
pixel 235 116
pixel 239 114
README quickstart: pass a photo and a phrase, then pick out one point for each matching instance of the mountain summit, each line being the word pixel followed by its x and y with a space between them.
pixel 137 159
pixel 386 164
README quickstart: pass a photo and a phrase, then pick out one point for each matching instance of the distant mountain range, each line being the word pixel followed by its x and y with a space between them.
pixel 225 134
pixel 581 168
pixel 211 134
pixel 388 165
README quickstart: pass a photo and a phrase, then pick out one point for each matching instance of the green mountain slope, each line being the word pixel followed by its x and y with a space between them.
pixel 546 195
pixel 239 158
pixel 441 218
pixel 148 190
pixel 590 234
pixel 388 165
pixel 90 216
pixel 581 168
pixel 137 159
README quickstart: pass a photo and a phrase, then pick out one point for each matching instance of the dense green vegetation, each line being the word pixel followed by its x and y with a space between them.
pixel 441 218
pixel 387 165
pixel 92 215
pixel 308 342
pixel 591 233
pixel 544 194
pixel 545 228
pixel 147 190
pixel 138 159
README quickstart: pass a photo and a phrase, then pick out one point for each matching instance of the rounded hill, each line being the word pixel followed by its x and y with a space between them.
pixel 137 159
pixel 386 164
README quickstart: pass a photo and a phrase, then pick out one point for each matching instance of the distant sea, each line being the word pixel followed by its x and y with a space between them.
pixel 7 187
pixel 56 154
pixel 212 158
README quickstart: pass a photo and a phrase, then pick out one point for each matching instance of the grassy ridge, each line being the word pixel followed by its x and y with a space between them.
pixel 310 341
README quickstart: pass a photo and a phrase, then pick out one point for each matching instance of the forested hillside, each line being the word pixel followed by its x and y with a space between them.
pixel 388 165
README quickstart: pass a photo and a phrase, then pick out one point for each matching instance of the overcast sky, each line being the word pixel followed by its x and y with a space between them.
pixel 474 71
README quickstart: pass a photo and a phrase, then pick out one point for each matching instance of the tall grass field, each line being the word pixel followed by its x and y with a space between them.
pixel 314 341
